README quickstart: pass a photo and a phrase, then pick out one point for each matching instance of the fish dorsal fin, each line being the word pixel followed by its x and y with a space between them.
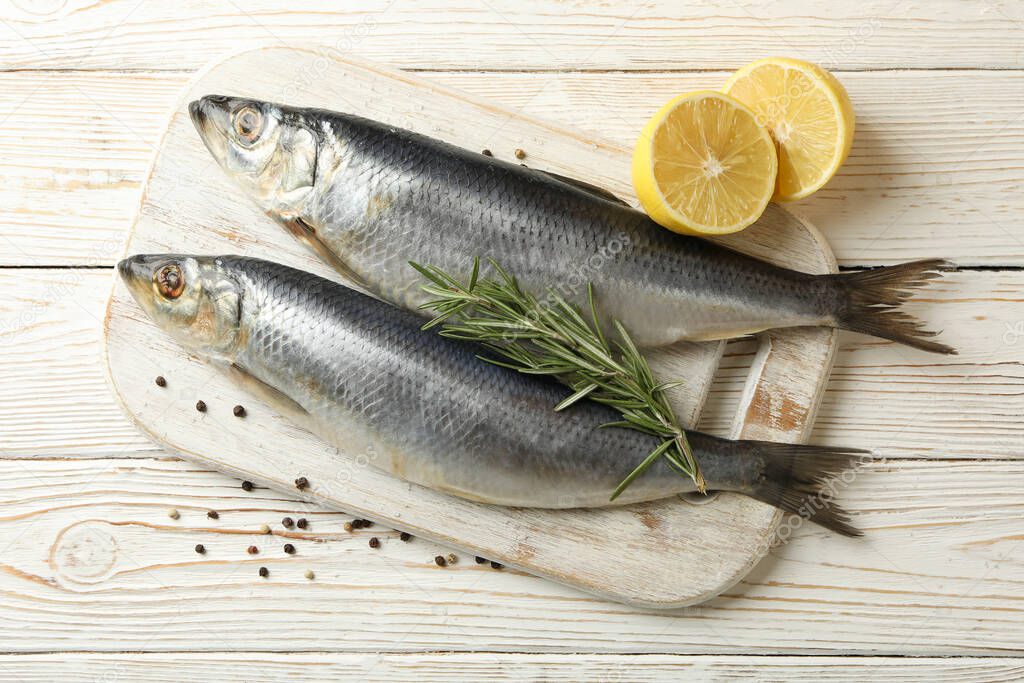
pixel 589 188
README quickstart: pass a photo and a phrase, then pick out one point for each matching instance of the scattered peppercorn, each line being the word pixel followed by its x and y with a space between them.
pixel 520 154
pixel 440 561
pixel 374 542
pixel 487 153
pixel 264 572
pixel 365 523
pixel 213 514
pixel 302 523
pixel 301 483
pixel 247 486
pixel 160 381
pixel 289 548
pixel 201 406
pixel 310 574
pixel 239 411
pixel 264 529
pixel 253 550
pixel 173 514
pixel 480 560
pixel 405 536
pixel 496 565
pixel 287 522
pixel 357 524
pixel 349 526
pixel 200 548
pixel 452 559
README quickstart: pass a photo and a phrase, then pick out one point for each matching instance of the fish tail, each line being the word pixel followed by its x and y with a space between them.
pixel 870 302
pixel 803 480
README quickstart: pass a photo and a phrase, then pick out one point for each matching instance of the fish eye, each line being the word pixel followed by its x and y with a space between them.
pixel 170 281
pixel 248 124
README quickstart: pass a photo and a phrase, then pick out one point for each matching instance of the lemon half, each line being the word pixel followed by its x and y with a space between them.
pixel 703 165
pixel 808 113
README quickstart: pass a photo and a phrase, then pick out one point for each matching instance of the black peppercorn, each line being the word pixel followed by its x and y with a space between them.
pixel 160 381
pixel 213 514
pixel 480 560
pixel 239 411
pixel 301 483
pixel 200 548
pixel 264 572
pixel 496 565
pixel 287 522
pixel 405 536
pixel 440 561
pixel 302 523
pixel 201 406
pixel 487 153
pixel 247 486
pixel 289 548
pixel 374 542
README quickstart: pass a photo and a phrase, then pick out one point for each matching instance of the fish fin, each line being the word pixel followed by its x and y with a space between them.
pixel 802 480
pixel 275 397
pixel 872 298
pixel 589 188
pixel 306 234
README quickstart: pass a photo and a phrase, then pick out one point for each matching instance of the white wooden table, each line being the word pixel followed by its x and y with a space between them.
pixel 98 583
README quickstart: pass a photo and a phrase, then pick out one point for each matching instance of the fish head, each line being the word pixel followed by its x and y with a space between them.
pixel 193 298
pixel 268 149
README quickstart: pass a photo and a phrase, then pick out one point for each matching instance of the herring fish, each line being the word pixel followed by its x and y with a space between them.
pixel 371 197
pixel 366 378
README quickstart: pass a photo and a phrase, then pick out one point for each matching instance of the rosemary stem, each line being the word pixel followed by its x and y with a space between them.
pixel 554 338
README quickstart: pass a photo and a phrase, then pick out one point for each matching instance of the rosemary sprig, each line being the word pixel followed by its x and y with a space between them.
pixel 553 338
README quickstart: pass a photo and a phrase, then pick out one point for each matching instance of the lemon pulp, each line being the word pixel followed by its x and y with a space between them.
pixel 703 165
pixel 809 115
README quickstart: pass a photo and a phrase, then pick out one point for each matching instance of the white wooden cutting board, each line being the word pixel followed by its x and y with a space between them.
pixel 665 554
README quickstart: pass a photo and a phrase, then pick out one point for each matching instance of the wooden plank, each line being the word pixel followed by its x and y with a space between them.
pixel 925 167
pixel 474 666
pixel 91 560
pixel 181 212
pixel 54 400
pixel 519 35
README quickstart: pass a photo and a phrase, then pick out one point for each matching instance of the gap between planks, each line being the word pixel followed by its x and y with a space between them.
pixel 426 70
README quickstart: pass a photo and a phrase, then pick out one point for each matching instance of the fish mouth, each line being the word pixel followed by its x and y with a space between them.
pixel 139 268
pixel 124 268
pixel 195 112
pixel 137 273
pixel 211 116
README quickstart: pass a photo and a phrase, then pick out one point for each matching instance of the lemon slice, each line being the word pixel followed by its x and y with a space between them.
pixel 808 113
pixel 704 166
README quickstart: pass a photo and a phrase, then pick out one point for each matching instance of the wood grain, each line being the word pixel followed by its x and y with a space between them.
pixel 91 560
pixel 899 402
pixel 444 667
pixel 503 34
pixel 75 146
pixel 185 209
pixel 935 171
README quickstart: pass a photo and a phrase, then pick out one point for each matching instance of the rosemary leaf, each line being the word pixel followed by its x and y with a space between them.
pixel 647 462
pixel 553 338
pixel 582 393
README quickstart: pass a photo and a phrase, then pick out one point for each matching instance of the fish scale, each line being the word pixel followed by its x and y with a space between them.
pixel 371 198
pixel 364 376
